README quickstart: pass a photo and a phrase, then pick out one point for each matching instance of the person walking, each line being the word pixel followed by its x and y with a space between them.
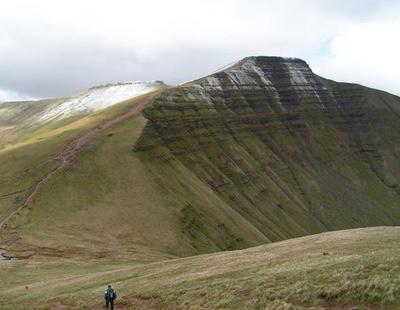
pixel 110 295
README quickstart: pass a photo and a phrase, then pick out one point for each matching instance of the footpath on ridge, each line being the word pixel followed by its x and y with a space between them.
pixel 66 157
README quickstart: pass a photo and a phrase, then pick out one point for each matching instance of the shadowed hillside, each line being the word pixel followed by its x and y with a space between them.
pixel 288 151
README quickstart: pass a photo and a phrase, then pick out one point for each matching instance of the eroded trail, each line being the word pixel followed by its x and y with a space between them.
pixel 66 157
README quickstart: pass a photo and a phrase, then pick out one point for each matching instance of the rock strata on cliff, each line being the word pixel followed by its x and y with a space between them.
pixel 287 150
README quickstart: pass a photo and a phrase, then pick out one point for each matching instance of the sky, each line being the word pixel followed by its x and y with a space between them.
pixel 56 48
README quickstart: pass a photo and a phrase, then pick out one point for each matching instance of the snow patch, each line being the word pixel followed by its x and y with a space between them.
pixel 296 73
pixel 213 81
pixel 251 66
pixel 240 78
pixel 228 66
pixel 219 70
pixel 98 98
pixel 203 94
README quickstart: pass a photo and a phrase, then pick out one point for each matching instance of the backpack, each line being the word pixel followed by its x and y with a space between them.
pixel 110 294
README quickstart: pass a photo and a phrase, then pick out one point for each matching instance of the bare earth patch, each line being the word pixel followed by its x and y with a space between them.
pixel 130 303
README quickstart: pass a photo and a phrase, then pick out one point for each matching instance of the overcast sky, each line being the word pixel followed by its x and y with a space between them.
pixel 54 48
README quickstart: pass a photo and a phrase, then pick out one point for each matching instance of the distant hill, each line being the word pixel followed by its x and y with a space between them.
pixel 17 118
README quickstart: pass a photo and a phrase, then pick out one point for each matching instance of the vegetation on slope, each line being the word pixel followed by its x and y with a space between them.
pixel 107 202
pixel 290 152
pixel 262 151
pixel 336 270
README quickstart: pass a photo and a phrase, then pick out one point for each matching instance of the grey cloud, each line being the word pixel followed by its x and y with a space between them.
pixel 42 57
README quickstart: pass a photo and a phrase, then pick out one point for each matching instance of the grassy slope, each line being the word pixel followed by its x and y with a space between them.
pixel 212 182
pixel 24 158
pixel 112 204
pixel 336 270
pixel 205 180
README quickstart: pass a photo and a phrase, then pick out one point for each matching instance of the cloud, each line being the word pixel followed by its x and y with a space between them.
pixel 366 53
pixel 56 48
pixel 7 95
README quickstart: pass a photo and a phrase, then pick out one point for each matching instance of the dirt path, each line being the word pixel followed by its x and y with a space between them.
pixel 66 157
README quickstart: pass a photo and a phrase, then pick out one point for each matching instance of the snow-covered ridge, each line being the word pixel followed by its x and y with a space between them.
pixel 257 72
pixel 98 98
pixel 242 72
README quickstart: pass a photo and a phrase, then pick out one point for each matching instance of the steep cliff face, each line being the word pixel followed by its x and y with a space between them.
pixel 290 152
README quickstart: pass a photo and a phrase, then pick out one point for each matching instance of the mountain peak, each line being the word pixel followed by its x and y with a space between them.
pixel 153 83
pixel 261 70
pixel 274 59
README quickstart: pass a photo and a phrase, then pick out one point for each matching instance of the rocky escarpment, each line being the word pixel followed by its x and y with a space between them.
pixel 289 151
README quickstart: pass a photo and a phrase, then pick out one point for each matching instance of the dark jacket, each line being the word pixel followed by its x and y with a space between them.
pixel 110 294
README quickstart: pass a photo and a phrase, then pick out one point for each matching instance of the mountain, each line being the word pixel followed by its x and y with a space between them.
pixel 288 151
pixel 125 183
pixel 262 150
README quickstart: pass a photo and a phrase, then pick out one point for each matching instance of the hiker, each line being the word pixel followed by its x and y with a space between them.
pixel 110 295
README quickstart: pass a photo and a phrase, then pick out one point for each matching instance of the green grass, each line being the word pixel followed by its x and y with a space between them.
pixel 113 202
pixel 336 270
pixel 287 173
pixel 188 177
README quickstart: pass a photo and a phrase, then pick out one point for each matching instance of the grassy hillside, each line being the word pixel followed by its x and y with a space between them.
pixel 336 270
pixel 262 151
pixel 109 203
